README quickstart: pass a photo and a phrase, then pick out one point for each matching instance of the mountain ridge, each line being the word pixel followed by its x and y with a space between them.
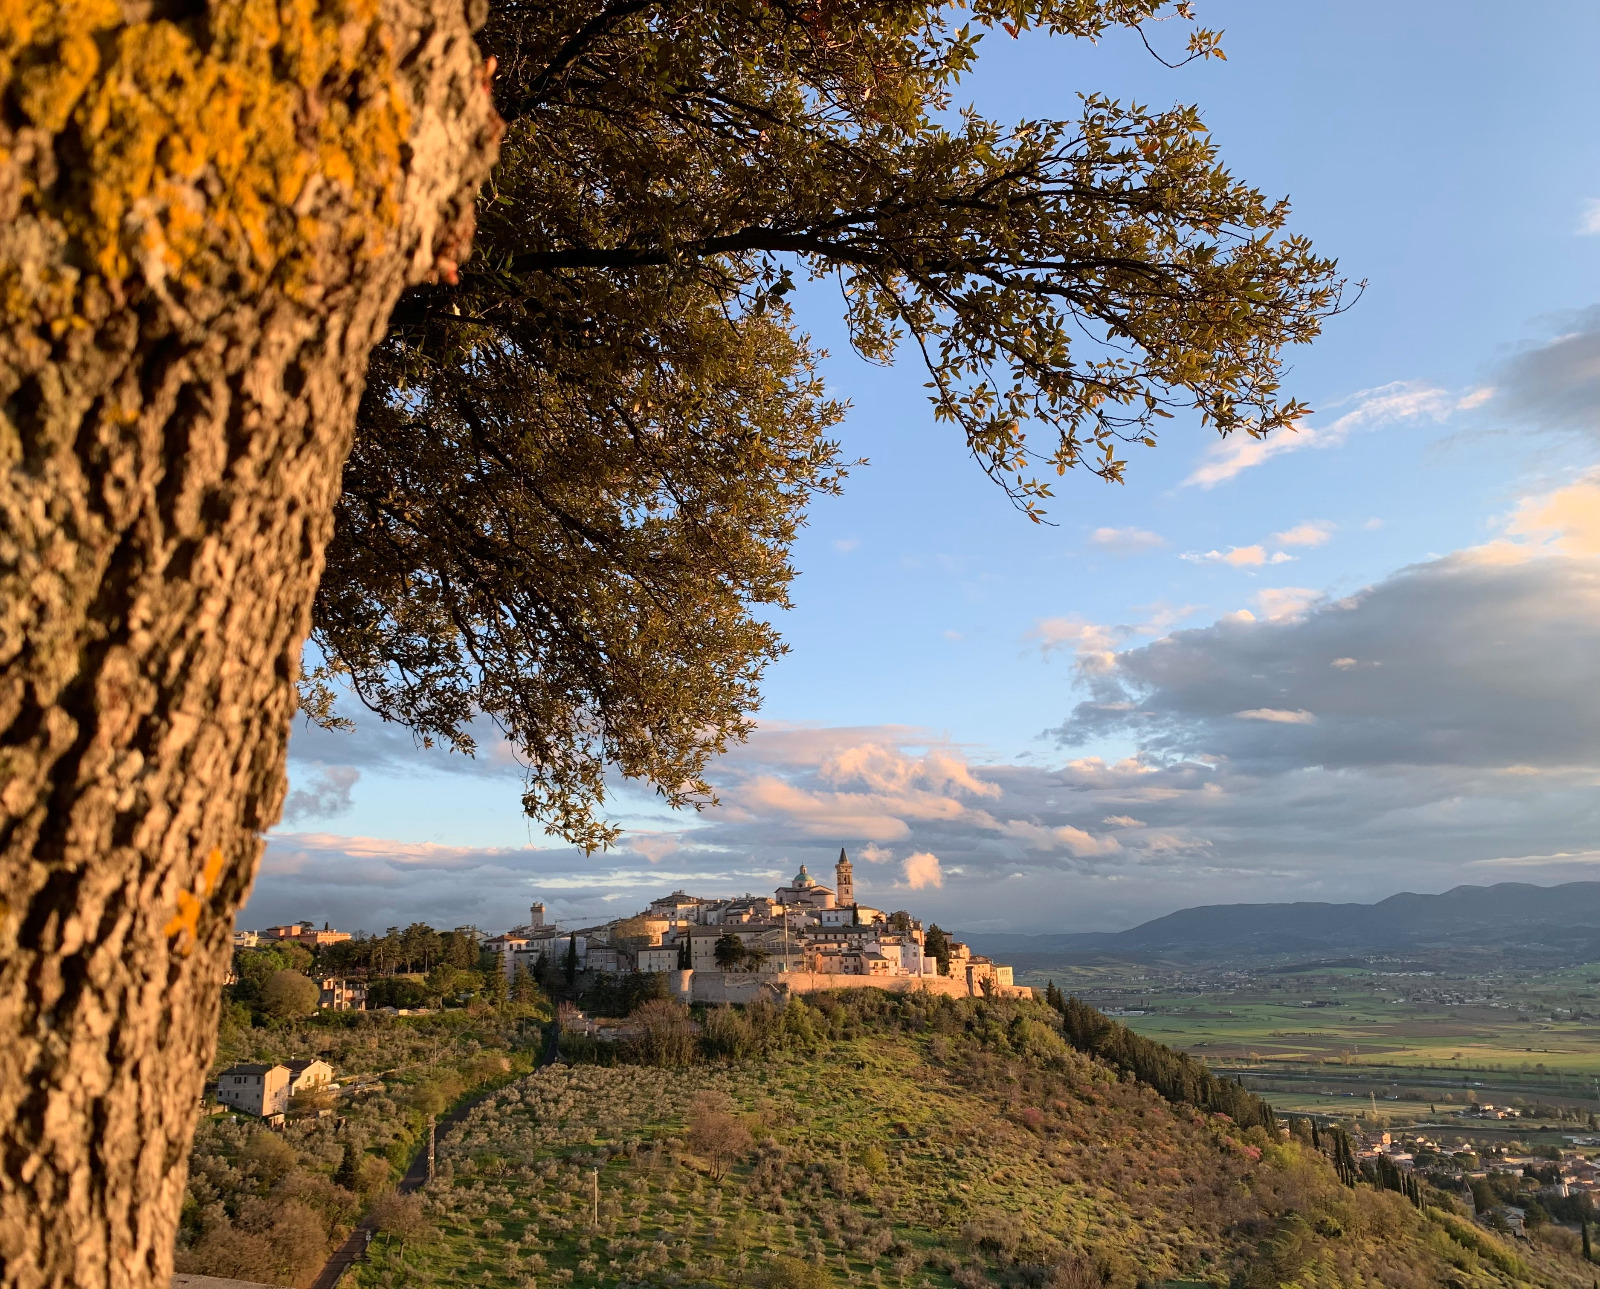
pixel 1562 919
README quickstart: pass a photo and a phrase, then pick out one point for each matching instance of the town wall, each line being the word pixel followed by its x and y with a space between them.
pixel 716 987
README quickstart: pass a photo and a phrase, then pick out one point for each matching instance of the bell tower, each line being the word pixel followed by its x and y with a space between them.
pixel 844 881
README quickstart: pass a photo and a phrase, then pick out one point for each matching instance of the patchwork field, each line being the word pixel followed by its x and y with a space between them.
pixel 1327 1039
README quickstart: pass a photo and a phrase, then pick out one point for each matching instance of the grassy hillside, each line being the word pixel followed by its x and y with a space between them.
pixel 913 1142
pixel 269 1206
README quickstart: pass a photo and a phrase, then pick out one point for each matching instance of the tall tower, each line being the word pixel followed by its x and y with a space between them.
pixel 844 881
pixel 536 915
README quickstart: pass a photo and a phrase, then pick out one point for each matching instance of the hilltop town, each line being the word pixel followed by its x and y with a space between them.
pixel 804 937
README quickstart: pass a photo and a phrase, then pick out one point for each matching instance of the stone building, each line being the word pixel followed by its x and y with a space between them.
pixel 261 1090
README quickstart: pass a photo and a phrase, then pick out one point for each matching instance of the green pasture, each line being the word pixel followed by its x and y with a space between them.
pixel 1473 1038
pixel 1538 1024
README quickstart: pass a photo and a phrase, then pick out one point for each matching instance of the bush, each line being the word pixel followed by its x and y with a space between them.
pixel 716 1133
pixel 728 1034
pixel 399 1216
pixel 433 1096
pixel 666 1034
pixel 792 1273
pixel 396 991
pixel 274 1241
pixel 288 995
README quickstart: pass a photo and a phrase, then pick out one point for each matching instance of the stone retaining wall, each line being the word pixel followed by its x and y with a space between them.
pixel 715 987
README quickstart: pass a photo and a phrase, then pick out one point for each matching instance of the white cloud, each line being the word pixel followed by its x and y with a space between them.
pixel 1282 603
pixel 922 870
pixel 653 846
pixel 1089 641
pixel 1400 401
pixel 1127 541
pixel 1589 224
pixel 1122 821
pixel 1063 837
pixel 1162 617
pixel 1566 520
pixel 1314 532
pixel 1238 557
pixel 844 545
pixel 1587 858
pixel 1343 664
pixel 1277 716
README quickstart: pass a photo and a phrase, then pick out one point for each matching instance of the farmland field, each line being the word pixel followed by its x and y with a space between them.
pixel 1408 1041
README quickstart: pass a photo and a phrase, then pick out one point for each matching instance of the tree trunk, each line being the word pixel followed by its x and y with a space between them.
pixel 207 211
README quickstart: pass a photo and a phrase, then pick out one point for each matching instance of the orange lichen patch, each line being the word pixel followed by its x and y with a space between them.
pixel 211 872
pixel 232 161
pixel 184 925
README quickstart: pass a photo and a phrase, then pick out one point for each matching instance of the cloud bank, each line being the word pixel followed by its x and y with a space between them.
pixel 1441 725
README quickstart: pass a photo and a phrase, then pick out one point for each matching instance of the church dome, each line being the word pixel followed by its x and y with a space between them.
pixel 803 878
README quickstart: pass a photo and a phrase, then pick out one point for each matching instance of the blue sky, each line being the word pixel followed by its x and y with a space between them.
pixel 971 699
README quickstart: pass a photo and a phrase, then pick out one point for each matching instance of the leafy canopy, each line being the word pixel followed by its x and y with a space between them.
pixel 580 469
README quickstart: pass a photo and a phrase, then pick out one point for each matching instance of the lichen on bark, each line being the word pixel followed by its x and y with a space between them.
pixel 207 211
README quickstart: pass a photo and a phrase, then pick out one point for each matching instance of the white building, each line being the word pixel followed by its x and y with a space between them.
pixel 261 1090
pixel 307 1074
pixel 662 958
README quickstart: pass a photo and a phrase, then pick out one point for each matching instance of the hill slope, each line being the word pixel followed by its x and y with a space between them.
pixel 1557 921
pixel 914 1142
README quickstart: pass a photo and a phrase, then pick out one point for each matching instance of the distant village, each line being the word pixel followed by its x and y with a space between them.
pixel 804 937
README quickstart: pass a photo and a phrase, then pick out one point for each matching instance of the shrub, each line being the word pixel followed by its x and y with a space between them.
pixel 288 995
pixel 666 1034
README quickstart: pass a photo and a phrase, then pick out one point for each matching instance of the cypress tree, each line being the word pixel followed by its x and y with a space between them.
pixel 1588 1249
pixel 494 982
pixel 572 959
pixel 346 1176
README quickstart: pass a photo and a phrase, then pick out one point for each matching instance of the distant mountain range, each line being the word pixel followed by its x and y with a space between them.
pixel 1515 918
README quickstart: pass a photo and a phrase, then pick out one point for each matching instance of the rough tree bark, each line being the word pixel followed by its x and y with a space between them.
pixel 207 211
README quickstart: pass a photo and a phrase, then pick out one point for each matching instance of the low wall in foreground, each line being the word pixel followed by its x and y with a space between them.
pixel 716 987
